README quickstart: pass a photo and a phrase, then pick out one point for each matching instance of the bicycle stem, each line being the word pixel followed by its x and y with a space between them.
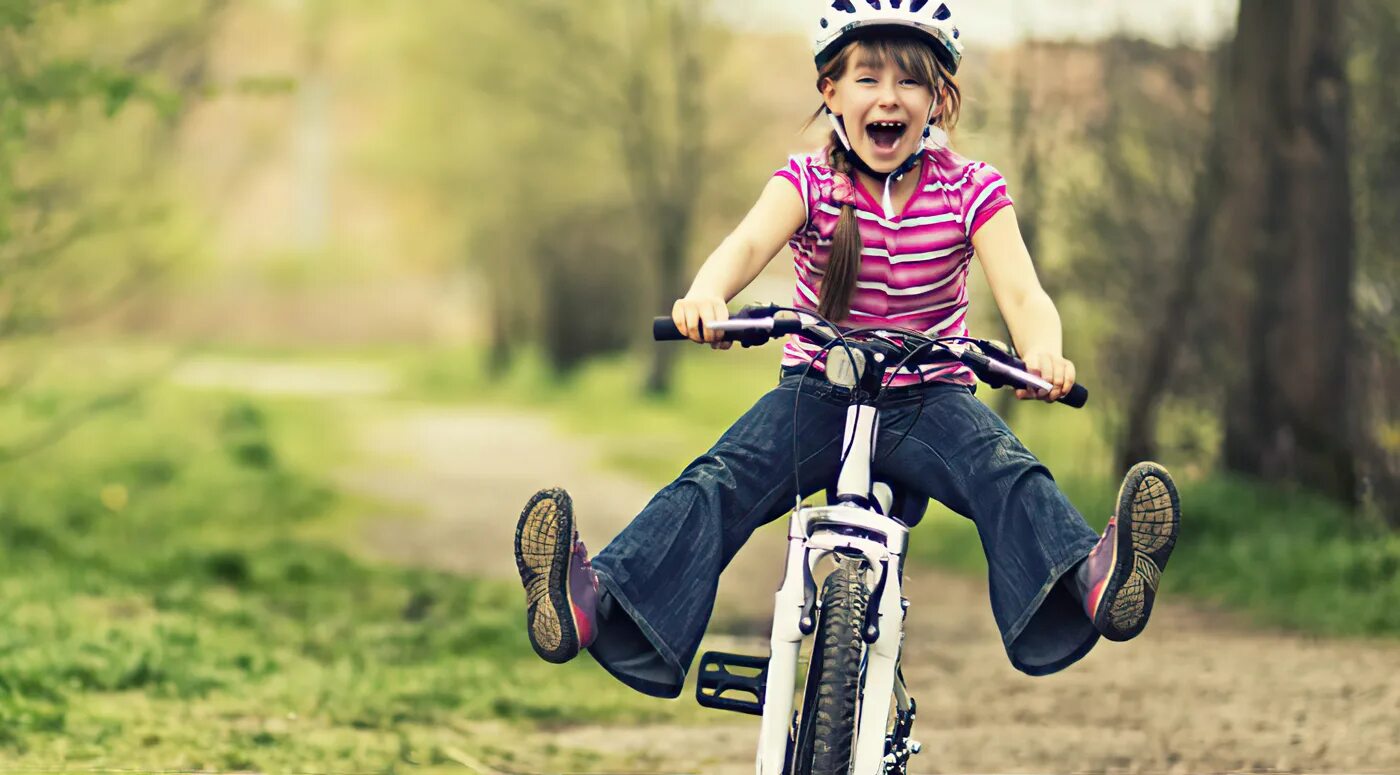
pixel 853 484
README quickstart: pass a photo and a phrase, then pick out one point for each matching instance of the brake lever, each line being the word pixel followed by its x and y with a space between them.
pixel 1002 353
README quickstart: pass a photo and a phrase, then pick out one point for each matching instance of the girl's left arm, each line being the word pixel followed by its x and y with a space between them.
pixel 1027 309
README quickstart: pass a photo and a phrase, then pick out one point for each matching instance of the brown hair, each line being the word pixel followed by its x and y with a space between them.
pixel 917 59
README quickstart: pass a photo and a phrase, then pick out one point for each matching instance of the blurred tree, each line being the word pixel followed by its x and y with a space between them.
pixel 1031 150
pixel 557 109
pixel 1135 250
pixel 662 131
pixel 578 270
pixel 1374 30
pixel 638 78
pixel 91 93
pixel 1284 230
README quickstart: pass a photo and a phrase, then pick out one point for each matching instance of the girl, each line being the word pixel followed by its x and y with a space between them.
pixel 883 225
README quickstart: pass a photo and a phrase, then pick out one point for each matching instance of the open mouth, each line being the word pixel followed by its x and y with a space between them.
pixel 885 134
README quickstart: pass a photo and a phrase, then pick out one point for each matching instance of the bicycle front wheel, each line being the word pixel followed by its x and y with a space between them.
pixel 827 730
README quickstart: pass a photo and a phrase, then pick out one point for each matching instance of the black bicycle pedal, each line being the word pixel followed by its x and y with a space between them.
pixel 717 679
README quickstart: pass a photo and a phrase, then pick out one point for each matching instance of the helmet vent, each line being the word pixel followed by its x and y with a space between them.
pixel 852 18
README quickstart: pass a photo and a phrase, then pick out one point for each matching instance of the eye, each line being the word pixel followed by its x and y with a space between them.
pixel 865 79
pixel 911 82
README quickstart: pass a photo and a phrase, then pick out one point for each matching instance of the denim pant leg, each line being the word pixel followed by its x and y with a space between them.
pixel 661 573
pixel 960 453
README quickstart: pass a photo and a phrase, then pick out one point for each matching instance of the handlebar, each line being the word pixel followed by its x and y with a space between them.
pixel 996 367
pixel 663 329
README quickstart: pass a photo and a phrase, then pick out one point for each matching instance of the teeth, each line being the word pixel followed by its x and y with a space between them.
pixel 887 125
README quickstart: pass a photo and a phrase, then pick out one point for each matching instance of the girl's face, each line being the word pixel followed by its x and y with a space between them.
pixel 885 109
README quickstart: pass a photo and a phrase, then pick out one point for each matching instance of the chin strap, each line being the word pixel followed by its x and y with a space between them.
pixel 890 178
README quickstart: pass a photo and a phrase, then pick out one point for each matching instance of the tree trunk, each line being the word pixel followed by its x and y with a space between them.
pixel 670 277
pixel 670 188
pixel 1168 336
pixel 1286 228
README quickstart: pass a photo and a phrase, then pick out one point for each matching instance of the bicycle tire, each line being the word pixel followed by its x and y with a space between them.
pixel 827 730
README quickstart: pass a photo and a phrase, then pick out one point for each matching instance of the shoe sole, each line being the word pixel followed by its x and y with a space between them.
pixel 1149 518
pixel 544 540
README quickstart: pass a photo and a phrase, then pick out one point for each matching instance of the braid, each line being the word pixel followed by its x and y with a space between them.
pixel 839 284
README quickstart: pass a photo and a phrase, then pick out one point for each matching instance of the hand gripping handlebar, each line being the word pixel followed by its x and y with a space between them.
pixel 757 325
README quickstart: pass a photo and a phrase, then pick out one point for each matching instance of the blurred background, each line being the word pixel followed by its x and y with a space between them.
pixel 301 299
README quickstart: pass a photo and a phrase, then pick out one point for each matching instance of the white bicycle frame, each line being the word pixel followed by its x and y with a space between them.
pixel 814 534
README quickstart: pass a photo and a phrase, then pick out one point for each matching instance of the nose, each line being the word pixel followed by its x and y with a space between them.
pixel 888 97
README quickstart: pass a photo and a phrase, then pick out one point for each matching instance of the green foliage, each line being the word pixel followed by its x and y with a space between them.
pixel 91 93
pixel 162 610
pixel 577 131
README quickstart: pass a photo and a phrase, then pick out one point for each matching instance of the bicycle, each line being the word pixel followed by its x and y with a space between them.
pixel 859 616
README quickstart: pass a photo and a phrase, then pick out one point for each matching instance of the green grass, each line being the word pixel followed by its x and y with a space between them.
pixel 166 604
pixel 1283 559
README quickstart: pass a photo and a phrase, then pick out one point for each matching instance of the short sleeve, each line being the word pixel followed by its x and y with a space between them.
pixel 799 175
pixel 985 197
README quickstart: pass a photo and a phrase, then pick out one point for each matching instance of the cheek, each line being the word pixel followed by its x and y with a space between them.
pixel 857 108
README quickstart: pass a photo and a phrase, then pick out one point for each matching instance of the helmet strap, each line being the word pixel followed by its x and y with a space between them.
pixel 840 126
pixel 890 177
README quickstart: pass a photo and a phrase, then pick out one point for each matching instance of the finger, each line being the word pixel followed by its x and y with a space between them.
pixel 692 319
pixel 718 312
pixel 1057 378
pixel 678 317
pixel 1040 366
pixel 1070 376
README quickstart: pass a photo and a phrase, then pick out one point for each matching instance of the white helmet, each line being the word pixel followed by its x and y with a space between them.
pixel 848 18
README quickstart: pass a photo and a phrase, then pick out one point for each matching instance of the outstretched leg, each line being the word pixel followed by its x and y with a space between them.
pixel 1046 566
pixel 655 584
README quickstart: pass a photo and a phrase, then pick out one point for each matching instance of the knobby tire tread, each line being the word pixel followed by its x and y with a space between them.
pixel 844 598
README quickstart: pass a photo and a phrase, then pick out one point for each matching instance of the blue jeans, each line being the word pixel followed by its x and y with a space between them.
pixel 661 573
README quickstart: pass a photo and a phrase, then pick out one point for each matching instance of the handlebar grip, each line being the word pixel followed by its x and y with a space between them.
pixel 1076 398
pixel 1008 369
pixel 785 326
pixel 663 329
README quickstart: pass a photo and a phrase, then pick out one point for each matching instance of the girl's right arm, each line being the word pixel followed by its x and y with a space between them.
pixel 775 217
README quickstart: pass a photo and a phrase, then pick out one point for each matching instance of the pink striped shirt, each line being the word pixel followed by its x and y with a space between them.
pixel 913 270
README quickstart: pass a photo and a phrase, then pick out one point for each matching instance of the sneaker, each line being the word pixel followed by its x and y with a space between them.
pixel 1121 574
pixel 561 589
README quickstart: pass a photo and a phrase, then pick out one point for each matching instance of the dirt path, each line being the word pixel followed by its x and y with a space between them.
pixel 1197 693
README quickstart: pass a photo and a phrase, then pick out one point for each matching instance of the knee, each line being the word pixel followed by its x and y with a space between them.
pixel 1006 465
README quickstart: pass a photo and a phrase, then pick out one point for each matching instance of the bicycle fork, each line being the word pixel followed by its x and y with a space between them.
pixel 813 534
